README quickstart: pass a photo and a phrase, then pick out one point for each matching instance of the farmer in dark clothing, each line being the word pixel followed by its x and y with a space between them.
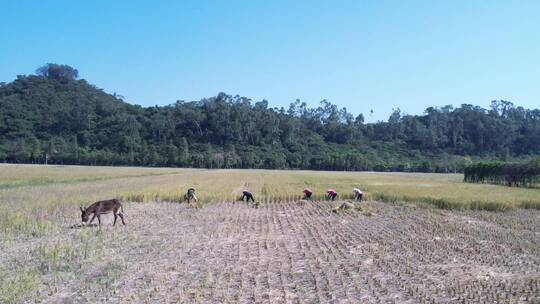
pixel 307 194
pixel 190 195
pixel 247 195
pixel 331 194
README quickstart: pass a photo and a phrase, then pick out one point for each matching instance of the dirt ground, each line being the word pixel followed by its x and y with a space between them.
pixel 286 253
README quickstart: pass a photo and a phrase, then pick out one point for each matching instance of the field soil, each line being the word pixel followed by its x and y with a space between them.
pixel 283 252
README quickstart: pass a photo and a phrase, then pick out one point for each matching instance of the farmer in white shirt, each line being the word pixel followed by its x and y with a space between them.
pixel 357 194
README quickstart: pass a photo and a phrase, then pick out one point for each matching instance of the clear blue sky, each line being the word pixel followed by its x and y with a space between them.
pixel 360 54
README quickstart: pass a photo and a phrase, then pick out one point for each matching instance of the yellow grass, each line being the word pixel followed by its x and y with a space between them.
pixel 29 175
pixel 34 198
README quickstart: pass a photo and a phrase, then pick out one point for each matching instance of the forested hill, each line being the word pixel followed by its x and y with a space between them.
pixel 72 122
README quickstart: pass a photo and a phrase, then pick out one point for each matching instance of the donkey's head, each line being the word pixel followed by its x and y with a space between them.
pixel 84 215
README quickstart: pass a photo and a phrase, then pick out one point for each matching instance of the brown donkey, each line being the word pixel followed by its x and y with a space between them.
pixel 103 207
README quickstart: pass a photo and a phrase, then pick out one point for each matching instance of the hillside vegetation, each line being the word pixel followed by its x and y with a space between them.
pixel 53 117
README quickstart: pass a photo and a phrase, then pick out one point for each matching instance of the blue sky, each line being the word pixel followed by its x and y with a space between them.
pixel 359 54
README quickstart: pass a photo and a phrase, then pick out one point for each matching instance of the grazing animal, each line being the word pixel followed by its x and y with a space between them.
pixel 103 207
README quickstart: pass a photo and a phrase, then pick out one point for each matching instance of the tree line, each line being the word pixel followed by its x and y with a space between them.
pixel 524 174
pixel 53 117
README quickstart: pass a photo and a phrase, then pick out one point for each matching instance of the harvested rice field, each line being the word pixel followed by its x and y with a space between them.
pixel 284 251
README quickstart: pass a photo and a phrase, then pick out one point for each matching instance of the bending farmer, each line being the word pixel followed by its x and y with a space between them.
pixel 190 195
pixel 247 195
pixel 357 194
pixel 331 194
pixel 307 194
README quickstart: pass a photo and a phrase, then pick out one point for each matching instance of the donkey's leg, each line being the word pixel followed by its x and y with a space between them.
pixel 122 218
pixel 99 219
pixel 115 217
pixel 92 219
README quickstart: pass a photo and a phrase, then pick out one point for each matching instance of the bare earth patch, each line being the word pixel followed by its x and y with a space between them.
pixel 284 252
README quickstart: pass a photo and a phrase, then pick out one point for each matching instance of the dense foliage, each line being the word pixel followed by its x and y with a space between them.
pixel 510 174
pixel 59 72
pixel 55 118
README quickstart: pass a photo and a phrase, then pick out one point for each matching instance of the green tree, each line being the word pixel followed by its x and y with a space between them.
pixel 183 153
pixel 58 71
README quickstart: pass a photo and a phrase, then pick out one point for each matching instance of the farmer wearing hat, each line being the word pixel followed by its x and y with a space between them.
pixel 331 194
pixel 307 194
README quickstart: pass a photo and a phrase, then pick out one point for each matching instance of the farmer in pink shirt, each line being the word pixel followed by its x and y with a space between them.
pixel 307 194
pixel 331 194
